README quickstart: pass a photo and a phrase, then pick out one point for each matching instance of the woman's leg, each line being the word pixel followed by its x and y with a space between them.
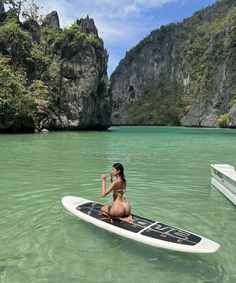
pixel 105 210
pixel 117 211
pixel 126 218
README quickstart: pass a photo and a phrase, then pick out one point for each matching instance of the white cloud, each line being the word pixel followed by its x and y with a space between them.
pixel 120 32
pixel 107 9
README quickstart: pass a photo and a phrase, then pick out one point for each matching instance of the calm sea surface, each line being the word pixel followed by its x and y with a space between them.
pixel 168 175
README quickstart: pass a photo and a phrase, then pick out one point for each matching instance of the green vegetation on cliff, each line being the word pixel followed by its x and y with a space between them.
pixel 17 106
pixel 69 41
pixel 210 42
pixel 162 105
pixel 15 43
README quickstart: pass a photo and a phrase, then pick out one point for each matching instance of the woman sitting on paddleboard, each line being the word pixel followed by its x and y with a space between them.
pixel 120 208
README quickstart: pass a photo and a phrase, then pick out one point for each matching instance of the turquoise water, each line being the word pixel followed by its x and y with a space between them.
pixel 168 174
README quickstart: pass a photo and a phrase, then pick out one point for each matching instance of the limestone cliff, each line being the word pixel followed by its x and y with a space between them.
pixel 188 67
pixel 52 21
pixel 81 83
pixel 52 78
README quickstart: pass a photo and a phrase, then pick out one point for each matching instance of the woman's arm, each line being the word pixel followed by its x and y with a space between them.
pixel 110 177
pixel 104 190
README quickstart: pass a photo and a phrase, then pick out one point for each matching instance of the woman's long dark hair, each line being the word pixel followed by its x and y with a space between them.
pixel 119 166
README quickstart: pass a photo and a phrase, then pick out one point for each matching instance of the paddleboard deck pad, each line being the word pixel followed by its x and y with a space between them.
pixel 141 229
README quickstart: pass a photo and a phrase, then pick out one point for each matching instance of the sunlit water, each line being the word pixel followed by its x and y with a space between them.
pixel 168 175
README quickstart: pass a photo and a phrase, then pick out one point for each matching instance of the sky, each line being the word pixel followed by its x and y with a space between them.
pixel 123 23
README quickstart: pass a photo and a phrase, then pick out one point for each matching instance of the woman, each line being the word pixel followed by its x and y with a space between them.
pixel 120 208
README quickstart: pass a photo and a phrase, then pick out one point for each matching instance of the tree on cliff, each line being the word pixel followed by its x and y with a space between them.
pixel 25 9
pixel 16 105
pixel 15 6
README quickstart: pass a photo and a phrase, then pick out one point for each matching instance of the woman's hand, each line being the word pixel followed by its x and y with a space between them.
pixel 103 177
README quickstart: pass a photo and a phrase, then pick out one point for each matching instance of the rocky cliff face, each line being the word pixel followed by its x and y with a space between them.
pixel 87 25
pixel 197 54
pixel 81 91
pixel 61 76
pixel 52 21
pixel 81 83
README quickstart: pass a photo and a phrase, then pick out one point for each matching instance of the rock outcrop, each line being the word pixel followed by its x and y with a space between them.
pixel 84 101
pixel 87 25
pixel 197 54
pixel 52 21
pixel 232 116
pixel 82 86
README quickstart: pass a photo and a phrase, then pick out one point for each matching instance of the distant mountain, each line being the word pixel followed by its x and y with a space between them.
pixel 51 78
pixel 181 74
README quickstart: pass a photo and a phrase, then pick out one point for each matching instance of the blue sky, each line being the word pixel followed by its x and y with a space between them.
pixel 123 23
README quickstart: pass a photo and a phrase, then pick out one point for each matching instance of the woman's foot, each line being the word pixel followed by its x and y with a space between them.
pixel 126 218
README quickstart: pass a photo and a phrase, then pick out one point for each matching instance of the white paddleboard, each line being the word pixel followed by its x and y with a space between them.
pixel 141 229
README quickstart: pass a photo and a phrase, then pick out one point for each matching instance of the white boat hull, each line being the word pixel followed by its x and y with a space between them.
pixel 224 179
